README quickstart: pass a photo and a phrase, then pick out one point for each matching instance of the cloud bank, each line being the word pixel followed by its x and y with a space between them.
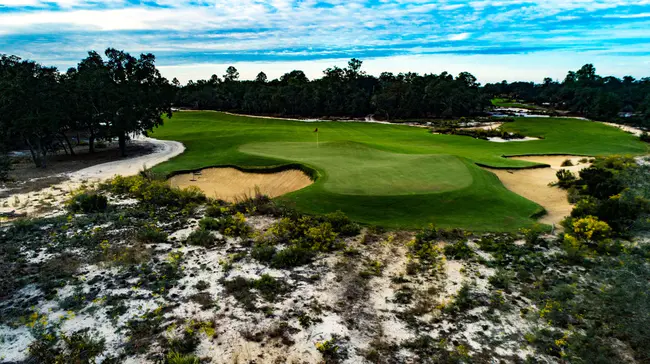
pixel 183 32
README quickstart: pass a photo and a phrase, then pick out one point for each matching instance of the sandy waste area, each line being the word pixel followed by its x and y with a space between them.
pixel 533 184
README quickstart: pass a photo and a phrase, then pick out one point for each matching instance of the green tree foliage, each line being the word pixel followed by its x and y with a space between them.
pixel 42 109
pixel 584 92
pixel 341 92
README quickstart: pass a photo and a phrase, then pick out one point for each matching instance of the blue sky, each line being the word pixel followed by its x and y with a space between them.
pixel 494 39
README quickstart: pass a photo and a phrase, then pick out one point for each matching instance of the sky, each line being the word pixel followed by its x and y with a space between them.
pixel 193 39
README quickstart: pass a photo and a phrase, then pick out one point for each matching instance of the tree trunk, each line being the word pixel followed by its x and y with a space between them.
pixel 91 143
pixel 122 140
pixel 67 141
pixel 35 157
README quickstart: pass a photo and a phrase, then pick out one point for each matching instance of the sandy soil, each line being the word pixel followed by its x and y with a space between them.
pixel 533 184
pixel 41 202
pixel 230 184
pixel 629 129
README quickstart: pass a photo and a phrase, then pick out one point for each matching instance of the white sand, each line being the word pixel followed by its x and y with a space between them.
pixel 55 195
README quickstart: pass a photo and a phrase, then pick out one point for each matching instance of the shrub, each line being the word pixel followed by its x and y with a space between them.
pixel 645 137
pixel 565 178
pixel 293 256
pixel 217 211
pixel 342 224
pixel 208 223
pixel 201 237
pixel 178 358
pixel 87 203
pixel 322 237
pixel 153 192
pixel 459 250
pixel 151 235
pixel 533 236
pixel 263 253
pixel 586 206
pixel 591 229
pixel 567 163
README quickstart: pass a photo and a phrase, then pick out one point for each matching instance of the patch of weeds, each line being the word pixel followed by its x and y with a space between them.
pixel 216 210
pixel 246 291
pixel 332 350
pixel 263 253
pixel 459 251
pixel 178 358
pixel 87 203
pixel 79 347
pixel 293 256
pixel 202 285
pixel 143 331
pixel 151 235
pixel 372 268
pixel 227 225
pixel 202 238
pixel 567 163
pixel 502 279
pixel 204 299
pixel 125 255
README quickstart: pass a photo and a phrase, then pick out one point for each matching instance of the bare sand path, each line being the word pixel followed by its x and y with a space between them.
pixel 39 203
pixel 533 184
pixel 230 184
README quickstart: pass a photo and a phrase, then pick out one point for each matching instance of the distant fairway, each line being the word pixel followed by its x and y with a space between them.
pixel 390 175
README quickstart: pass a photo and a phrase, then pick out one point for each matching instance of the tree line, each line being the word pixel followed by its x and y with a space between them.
pixel 341 92
pixel 586 93
pixel 107 98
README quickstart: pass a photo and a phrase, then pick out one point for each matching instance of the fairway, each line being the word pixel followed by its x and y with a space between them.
pixel 390 175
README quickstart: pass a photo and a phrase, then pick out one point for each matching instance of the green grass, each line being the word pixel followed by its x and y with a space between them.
pixel 510 103
pixel 390 175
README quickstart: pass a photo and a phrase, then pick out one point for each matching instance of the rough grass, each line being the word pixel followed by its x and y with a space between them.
pixel 390 175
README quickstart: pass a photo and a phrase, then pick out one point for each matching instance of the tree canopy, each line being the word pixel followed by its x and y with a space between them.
pixel 341 92
pixel 101 99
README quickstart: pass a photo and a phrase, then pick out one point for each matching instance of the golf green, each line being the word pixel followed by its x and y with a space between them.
pixel 390 175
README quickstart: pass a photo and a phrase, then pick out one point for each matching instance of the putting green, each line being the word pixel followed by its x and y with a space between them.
pixel 355 169
pixel 390 175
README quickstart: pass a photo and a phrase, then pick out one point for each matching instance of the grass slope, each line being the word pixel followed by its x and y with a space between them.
pixel 390 175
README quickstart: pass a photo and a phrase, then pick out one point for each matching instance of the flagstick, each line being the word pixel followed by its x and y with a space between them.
pixel 317 143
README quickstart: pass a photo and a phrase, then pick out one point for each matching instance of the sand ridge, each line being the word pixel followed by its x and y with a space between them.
pixel 533 184
pixel 230 184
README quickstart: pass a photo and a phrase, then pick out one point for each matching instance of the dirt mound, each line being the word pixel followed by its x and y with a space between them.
pixel 230 184
pixel 533 184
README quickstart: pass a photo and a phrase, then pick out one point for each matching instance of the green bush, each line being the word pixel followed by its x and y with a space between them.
pixel 645 137
pixel 202 238
pixel 263 253
pixel 87 203
pixel 293 256
pixel 216 211
pixel 342 224
pixel 459 250
pixel 567 163
pixel 151 235
pixel 565 178
pixel 533 236
pixel 154 192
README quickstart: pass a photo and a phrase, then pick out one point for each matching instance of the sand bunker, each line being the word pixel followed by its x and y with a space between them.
pixel 230 184
pixel 533 184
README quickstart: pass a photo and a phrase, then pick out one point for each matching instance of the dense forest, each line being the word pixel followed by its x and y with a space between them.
pixel 350 92
pixel 44 110
pixel 585 93
pixel 341 92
